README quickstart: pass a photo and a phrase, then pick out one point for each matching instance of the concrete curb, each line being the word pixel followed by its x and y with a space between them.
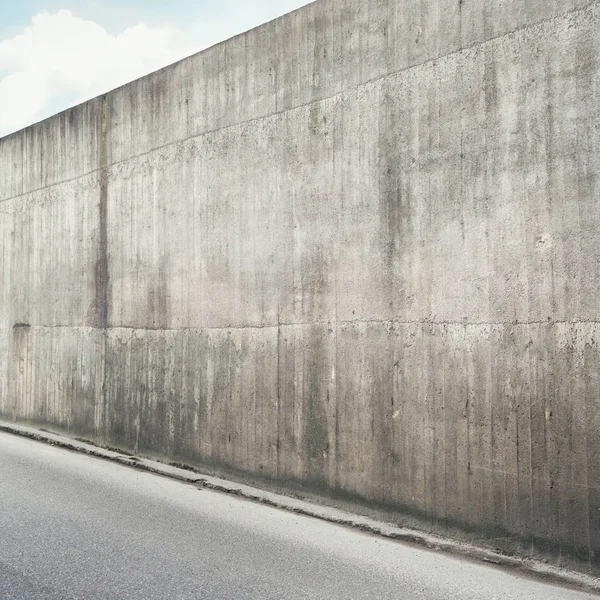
pixel 529 567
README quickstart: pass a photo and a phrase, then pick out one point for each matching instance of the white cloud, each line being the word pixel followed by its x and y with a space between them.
pixel 61 60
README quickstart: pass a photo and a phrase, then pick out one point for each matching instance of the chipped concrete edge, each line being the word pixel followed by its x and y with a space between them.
pixel 537 569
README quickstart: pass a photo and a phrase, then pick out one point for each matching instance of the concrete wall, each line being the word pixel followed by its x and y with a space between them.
pixel 355 249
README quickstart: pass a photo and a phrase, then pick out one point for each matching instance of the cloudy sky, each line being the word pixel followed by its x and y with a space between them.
pixel 56 53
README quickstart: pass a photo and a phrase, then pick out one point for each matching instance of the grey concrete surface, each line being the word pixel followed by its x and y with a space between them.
pixel 355 250
pixel 75 527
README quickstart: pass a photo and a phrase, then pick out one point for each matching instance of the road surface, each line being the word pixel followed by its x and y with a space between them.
pixel 76 527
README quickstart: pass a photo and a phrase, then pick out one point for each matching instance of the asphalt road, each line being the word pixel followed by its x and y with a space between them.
pixel 76 527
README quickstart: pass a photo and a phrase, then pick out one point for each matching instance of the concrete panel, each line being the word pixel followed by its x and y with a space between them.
pixel 59 149
pixel 6 247
pixel 5 395
pixel 54 378
pixel 52 270
pixel 195 395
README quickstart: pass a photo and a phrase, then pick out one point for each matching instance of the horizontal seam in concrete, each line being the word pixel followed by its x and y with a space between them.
pixel 323 513
pixel 52 185
pixel 538 479
pixel 461 50
pixel 325 323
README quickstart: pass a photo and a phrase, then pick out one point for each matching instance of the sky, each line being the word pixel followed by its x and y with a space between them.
pixel 58 53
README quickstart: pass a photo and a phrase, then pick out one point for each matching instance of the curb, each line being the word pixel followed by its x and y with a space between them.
pixel 529 567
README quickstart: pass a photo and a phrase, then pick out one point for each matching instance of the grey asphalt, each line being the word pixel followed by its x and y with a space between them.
pixel 77 527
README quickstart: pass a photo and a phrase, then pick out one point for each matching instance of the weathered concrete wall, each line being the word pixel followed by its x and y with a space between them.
pixel 357 249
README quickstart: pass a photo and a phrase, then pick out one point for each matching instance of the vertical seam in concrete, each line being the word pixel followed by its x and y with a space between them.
pixel 278 447
pixel 102 260
pixel 102 264
pixel 336 158
pixel 531 465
